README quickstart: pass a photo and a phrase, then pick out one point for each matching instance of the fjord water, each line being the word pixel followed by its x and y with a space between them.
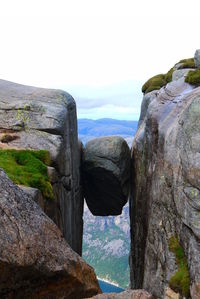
pixel 109 288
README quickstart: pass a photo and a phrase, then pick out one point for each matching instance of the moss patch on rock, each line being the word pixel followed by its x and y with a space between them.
pixel 161 80
pixel 157 81
pixel 193 77
pixel 180 281
pixel 28 167
pixel 154 83
pixel 187 64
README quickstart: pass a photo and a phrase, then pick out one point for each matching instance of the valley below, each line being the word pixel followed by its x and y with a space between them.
pixel 106 240
pixel 106 245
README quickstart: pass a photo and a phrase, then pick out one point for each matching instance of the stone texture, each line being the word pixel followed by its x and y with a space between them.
pixel 197 58
pixel 106 170
pixel 35 194
pixel 35 260
pixel 177 74
pixel 165 188
pixel 38 118
pixel 170 294
pixel 147 98
pixel 195 291
pixel 136 294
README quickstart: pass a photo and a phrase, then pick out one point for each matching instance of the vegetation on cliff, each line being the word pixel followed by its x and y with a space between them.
pixel 157 82
pixel 186 63
pixel 28 167
pixel 180 281
pixel 193 77
pixel 161 80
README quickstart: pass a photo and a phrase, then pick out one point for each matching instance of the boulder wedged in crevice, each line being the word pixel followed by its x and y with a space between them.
pixel 106 175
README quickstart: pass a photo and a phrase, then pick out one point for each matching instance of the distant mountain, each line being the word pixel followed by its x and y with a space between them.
pixel 89 129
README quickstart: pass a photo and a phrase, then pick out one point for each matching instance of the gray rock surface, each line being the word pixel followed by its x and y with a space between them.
pixel 197 58
pixel 38 118
pixel 35 259
pixel 170 294
pixel 165 196
pixel 106 170
pixel 136 294
pixel 147 98
pixel 177 74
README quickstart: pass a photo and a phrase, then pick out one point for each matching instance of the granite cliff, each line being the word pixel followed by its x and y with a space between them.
pixel 164 205
pixel 38 118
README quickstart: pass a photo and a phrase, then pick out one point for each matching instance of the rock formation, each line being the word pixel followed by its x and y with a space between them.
pixel 164 207
pixel 197 58
pixel 106 172
pixel 37 118
pixel 136 294
pixel 35 260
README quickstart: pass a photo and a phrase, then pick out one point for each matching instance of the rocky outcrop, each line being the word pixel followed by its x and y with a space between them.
pixel 106 172
pixel 35 260
pixel 137 294
pixel 197 58
pixel 164 207
pixel 37 118
pixel 177 74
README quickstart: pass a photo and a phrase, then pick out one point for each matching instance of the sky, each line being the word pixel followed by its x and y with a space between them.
pixel 100 51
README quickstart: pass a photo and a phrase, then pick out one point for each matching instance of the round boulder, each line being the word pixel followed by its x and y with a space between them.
pixel 106 174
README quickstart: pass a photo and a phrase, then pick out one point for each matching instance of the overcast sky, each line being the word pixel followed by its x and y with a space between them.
pixel 99 51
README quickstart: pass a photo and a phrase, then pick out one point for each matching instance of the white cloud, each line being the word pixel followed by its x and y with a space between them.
pixel 110 111
pixel 94 43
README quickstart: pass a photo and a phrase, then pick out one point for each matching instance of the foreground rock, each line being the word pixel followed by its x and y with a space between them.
pixel 35 260
pixel 38 118
pixel 165 211
pixel 106 167
pixel 136 294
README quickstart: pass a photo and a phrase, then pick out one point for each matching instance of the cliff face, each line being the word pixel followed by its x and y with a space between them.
pixel 37 118
pixel 164 208
pixel 35 260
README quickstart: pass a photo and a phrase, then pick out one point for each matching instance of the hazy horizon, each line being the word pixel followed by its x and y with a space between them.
pixel 101 52
pixel 118 101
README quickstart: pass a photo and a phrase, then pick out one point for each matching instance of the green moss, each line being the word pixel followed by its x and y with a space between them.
pixel 193 77
pixel 168 76
pixel 161 80
pixel 28 167
pixel 154 83
pixel 180 281
pixel 187 63
pixel 157 81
